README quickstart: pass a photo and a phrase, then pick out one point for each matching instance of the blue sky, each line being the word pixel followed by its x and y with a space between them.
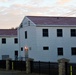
pixel 12 12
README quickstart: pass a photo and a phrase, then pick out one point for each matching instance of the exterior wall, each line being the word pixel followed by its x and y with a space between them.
pixel 9 48
pixel 30 42
pixel 53 42
pixel 35 42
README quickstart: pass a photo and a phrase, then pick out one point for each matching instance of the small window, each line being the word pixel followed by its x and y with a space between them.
pixel 73 32
pixel 45 32
pixel 59 33
pixel 16 40
pixel 45 48
pixel 21 48
pixel 60 51
pixel 5 57
pixel 16 53
pixel 28 23
pixel 3 40
pixel 25 34
pixel 73 51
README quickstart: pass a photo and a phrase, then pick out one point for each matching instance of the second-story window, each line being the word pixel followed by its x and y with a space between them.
pixel 73 50
pixel 59 33
pixel 45 32
pixel 73 32
pixel 25 34
pixel 16 40
pixel 3 40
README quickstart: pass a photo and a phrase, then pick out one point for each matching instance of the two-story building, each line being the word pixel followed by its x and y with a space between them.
pixel 48 38
pixel 8 44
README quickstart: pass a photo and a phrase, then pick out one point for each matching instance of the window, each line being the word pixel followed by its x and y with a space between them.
pixel 45 48
pixel 59 33
pixel 21 48
pixel 73 32
pixel 16 55
pixel 5 57
pixel 25 34
pixel 3 40
pixel 73 51
pixel 45 32
pixel 60 51
pixel 16 40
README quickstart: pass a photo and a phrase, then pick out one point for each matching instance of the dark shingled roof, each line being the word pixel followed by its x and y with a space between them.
pixel 55 21
pixel 8 32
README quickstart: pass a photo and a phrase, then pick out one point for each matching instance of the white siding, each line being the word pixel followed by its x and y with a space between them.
pixel 8 48
pixel 30 42
pixel 53 42
pixel 35 41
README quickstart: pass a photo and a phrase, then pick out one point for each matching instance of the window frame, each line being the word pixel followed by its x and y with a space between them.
pixel 59 32
pixel 16 54
pixel 73 51
pixel 45 48
pixel 16 40
pixel 45 32
pixel 3 40
pixel 60 51
pixel 21 48
pixel 73 32
pixel 25 34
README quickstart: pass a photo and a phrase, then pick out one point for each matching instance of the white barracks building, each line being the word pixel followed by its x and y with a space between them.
pixel 48 38
pixel 8 44
pixel 41 38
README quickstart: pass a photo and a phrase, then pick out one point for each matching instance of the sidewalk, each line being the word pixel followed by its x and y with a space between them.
pixel 16 73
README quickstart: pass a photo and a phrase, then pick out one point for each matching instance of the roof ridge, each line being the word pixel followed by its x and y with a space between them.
pixel 53 16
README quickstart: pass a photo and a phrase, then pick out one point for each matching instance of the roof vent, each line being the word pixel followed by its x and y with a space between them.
pixel 28 23
pixel 57 17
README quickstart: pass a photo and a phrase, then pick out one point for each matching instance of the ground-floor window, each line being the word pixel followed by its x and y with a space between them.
pixel 60 51
pixel 73 50
pixel 4 57
pixel 16 55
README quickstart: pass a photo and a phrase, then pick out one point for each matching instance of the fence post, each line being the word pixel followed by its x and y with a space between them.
pixel 12 65
pixel 70 70
pixel 39 68
pixel 8 64
pixel 63 66
pixel 28 65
